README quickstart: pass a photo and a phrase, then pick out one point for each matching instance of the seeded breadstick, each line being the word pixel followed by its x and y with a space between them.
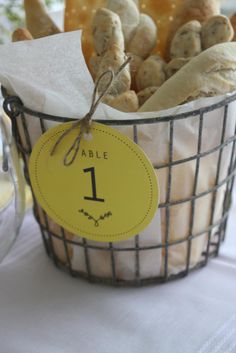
pixel 38 21
pixel 126 102
pixel 107 31
pixel 129 16
pixel 145 37
pixel 145 94
pixel 151 73
pixel 174 65
pixel 216 30
pixel 200 10
pixel 112 60
pixel 135 64
pixel 94 64
pixel 21 34
pixel 233 23
pixel 187 41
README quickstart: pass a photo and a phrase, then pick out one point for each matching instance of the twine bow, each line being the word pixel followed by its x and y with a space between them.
pixel 85 122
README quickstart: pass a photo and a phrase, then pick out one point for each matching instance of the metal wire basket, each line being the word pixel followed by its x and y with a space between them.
pixel 60 245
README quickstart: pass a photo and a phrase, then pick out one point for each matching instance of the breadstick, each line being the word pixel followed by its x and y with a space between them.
pixel 135 63
pixel 126 102
pixel 151 73
pixel 187 41
pixel 129 16
pixel 233 23
pixel 145 94
pixel 107 31
pixel 38 21
pixel 94 63
pixel 112 60
pixel 216 30
pixel 21 34
pixel 145 37
pixel 200 10
pixel 174 65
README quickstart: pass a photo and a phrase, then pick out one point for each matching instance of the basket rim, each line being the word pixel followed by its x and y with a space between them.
pixel 8 99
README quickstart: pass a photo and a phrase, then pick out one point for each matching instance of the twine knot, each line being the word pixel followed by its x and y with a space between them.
pixel 86 122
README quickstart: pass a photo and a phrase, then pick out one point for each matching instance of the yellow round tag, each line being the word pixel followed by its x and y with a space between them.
pixel 109 193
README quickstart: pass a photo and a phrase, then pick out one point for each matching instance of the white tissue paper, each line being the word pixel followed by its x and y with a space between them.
pixel 50 75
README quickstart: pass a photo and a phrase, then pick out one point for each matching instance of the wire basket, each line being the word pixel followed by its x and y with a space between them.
pixel 113 258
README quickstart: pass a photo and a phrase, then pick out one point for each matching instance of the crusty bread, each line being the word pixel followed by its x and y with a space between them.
pixel 21 34
pixel 211 73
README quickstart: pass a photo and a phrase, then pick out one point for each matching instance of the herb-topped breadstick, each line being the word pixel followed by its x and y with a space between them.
pixel 135 63
pixel 175 65
pixel 38 22
pixel 129 16
pixel 217 29
pixel 187 41
pixel 151 73
pixel 125 102
pixel 200 10
pixel 145 94
pixel 112 60
pixel 107 31
pixel 145 37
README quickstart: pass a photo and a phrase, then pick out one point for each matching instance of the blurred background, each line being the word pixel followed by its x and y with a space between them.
pixel 12 15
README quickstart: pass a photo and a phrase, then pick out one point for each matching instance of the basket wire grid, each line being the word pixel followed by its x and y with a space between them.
pixel 16 110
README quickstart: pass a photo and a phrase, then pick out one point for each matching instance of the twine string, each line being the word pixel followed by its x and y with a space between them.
pixel 85 122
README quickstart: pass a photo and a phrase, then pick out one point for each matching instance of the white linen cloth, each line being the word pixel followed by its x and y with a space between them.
pixel 43 310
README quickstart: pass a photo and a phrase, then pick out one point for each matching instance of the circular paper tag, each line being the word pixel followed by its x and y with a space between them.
pixel 109 193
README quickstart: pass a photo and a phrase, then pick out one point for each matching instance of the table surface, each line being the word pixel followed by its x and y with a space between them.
pixel 43 310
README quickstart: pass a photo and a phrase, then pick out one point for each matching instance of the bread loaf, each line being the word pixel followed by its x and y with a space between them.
pixel 211 73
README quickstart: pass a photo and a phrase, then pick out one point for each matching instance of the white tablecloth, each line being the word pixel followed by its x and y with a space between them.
pixel 43 310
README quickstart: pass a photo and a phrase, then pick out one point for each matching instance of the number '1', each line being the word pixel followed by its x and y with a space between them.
pixel 94 190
